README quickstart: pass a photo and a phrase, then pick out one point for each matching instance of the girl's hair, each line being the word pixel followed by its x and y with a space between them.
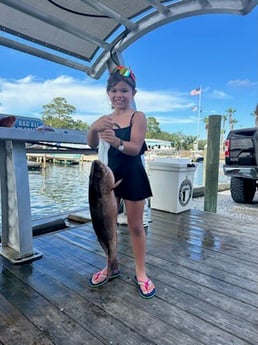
pixel 115 77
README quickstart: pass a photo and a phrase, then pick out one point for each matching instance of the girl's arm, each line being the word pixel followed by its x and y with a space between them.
pixel 103 123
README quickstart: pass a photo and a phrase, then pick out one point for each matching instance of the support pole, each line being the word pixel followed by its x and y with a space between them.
pixel 199 117
pixel 212 164
pixel 16 213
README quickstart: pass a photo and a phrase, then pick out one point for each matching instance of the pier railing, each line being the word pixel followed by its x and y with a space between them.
pixel 16 241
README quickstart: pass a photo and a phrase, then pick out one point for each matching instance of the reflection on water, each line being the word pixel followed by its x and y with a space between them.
pixel 58 189
pixel 63 188
pixel 199 175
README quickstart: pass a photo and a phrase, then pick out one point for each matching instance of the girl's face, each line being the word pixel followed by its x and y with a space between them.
pixel 121 95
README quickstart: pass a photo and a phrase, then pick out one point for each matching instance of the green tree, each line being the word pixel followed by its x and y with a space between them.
pixel 189 141
pixel 58 114
pixel 83 126
pixel 205 120
pixel 182 141
pixel 153 129
pixel 202 143
pixel 178 139
pixel 163 135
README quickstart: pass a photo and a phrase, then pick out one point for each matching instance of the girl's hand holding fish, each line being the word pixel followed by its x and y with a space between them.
pixel 103 123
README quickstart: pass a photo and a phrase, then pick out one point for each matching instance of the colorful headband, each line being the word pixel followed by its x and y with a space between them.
pixel 124 71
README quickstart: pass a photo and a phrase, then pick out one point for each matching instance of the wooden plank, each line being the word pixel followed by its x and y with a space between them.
pixel 218 223
pixel 120 293
pixel 245 249
pixel 202 299
pixel 219 257
pixel 50 319
pixel 13 325
pixel 99 319
pixel 214 314
pixel 181 266
pixel 204 288
pixel 79 218
pixel 60 135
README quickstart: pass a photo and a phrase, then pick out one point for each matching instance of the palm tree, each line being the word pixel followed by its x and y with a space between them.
pixel 224 119
pixel 231 121
pixel 223 131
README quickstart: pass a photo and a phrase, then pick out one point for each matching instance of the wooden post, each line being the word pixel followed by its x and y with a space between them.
pixel 212 164
pixel 44 161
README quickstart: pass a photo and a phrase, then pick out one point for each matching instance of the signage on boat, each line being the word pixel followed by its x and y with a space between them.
pixel 25 122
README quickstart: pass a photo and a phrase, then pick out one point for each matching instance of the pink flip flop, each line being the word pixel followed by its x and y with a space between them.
pixel 104 281
pixel 145 283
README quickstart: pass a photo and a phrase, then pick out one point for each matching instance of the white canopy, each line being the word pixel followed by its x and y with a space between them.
pixel 89 35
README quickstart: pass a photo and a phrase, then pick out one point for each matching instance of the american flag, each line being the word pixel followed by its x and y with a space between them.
pixel 195 92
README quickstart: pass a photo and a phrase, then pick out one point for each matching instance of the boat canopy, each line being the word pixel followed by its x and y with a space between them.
pixel 91 35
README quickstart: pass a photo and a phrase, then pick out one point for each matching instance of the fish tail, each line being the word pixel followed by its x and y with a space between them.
pixel 112 266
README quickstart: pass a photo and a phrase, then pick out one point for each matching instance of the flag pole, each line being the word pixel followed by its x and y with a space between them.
pixel 199 117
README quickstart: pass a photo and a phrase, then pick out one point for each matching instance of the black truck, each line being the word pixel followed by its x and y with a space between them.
pixel 241 163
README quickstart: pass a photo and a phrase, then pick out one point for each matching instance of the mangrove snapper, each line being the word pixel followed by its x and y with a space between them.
pixel 103 209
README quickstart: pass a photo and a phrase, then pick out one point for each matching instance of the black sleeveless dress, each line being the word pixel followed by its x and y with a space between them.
pixel 135 185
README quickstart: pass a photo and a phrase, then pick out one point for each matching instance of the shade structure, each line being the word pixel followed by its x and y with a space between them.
pixel 88 35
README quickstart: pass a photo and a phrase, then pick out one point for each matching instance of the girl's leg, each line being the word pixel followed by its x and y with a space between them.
pixel 135 211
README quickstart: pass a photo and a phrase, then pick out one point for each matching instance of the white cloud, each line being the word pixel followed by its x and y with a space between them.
pixel 171 119
pixel 218 94
pixel 242 83
pixel 26 96
pixel 161 101
pixel 25 80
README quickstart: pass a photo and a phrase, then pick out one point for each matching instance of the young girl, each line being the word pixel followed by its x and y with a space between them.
pixel 124 129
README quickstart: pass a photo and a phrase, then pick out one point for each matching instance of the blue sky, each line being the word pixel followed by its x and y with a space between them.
pixel 216 51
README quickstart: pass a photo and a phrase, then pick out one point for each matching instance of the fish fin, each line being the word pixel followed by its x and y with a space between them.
pixel 117 184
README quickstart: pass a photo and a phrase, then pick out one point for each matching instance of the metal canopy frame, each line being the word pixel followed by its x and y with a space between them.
pixel 91 35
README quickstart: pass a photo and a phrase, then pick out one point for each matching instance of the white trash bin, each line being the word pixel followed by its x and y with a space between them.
pixel 172 184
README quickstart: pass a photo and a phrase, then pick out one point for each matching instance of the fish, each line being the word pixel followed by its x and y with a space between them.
pixel 103 210
pixel 7 121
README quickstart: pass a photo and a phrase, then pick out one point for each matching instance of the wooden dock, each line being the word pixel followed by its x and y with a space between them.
pixel 60 154
pixel 205 268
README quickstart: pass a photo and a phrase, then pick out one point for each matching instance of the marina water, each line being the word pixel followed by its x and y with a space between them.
pixel 61 189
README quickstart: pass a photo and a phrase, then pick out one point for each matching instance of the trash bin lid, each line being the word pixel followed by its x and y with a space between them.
pixel 171 162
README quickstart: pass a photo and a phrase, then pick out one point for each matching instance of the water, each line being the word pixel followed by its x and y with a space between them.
pixel 60 189
pixel 199 175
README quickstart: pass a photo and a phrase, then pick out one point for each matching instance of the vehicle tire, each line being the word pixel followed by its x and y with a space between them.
pixel 242 189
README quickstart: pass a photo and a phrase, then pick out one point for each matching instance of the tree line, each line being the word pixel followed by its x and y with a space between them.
pixel 58 114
